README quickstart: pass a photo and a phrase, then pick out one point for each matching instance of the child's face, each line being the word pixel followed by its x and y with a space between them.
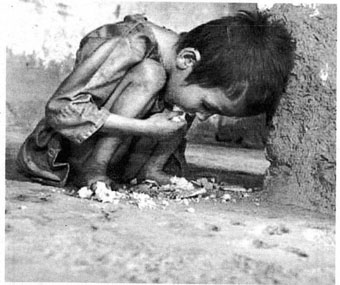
pixel 203 102
pixel 192 98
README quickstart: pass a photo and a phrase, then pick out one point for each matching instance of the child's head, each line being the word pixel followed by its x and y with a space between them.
pixel 246 56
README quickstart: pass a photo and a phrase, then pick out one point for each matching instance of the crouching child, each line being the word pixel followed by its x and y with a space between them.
pixel 113 117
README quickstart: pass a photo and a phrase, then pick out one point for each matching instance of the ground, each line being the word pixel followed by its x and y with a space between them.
pixel 52 235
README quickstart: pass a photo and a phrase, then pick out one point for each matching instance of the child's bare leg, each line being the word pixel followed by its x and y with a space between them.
pixel 139 89
pixel 153 168
pixel 140 153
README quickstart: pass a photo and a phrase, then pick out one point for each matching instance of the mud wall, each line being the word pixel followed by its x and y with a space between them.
pixel 302 144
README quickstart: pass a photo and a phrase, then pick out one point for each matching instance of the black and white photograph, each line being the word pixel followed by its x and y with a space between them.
pixel 170 142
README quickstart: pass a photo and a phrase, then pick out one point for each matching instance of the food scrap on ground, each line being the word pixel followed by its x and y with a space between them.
pixel 150 195
pixel 226 197
pixel 105 194
pixel 190 210
pixel 85 193
pixel 142 201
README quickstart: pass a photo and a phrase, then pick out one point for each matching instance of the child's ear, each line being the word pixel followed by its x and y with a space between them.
pixel 187 58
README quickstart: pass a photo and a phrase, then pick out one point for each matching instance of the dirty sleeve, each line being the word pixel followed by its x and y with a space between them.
pixel 76 110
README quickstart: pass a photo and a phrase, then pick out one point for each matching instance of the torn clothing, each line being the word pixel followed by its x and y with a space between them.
pixel 80 106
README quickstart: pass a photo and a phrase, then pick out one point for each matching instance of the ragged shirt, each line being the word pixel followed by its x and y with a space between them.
pixel 77 109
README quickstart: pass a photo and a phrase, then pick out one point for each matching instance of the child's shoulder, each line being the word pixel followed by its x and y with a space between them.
pixel 130 24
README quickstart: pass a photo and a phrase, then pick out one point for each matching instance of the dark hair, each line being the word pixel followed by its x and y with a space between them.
pixel 247 47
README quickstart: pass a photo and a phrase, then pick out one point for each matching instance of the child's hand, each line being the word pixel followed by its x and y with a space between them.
pixel 164 125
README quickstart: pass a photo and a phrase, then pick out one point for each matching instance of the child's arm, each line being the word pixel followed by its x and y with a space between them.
pixel 137 93
pixel 159 125
pixel 78 107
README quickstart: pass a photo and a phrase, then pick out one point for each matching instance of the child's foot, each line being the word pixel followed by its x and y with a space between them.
pixel 88 179
pixel 92 181
pixel 156 175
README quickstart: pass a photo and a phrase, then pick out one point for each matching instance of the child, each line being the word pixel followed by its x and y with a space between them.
pixel 112 116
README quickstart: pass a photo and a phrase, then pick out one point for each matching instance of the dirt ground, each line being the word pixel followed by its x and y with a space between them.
pixel 52 236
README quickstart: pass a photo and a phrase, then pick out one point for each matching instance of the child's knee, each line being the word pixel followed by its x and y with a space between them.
pixel 140 87
pixel 148 75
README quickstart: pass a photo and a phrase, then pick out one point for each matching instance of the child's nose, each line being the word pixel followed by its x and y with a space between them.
pixel 202 116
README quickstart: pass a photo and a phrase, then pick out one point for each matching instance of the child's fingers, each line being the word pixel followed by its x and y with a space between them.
pixel 166 124
pixel 174 114
pixel 181 122
pixel 178 117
